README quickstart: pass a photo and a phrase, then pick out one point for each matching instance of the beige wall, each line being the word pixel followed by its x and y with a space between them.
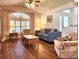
pixel 0 26
pixel 4 22
pixel 37 20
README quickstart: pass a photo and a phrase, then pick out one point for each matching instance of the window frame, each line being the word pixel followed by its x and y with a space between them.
pixel 20 25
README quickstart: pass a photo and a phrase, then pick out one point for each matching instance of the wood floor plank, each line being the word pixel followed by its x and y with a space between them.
pixel 15 49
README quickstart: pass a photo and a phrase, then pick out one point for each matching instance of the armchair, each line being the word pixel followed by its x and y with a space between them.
pixel 13 35
pixel 27 31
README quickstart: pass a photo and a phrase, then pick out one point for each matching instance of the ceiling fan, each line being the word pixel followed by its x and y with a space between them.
pixel 32 3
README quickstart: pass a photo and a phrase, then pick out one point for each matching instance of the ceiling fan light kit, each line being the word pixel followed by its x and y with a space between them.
pixel 32 3
pixel 27 5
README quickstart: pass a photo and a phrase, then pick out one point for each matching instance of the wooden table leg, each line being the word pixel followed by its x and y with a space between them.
pixel 29 44
pixel 38 43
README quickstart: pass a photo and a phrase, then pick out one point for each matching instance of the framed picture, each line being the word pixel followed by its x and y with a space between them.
pixel 49 18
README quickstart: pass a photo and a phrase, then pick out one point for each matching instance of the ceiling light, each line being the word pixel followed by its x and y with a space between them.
pixel 32 3
pixel 27 5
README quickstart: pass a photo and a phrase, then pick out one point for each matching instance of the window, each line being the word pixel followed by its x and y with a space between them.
pixel 12 26
pixel 22 25
pixel 19 22
pixel 17 26
pixel 65 21
pixel 27 24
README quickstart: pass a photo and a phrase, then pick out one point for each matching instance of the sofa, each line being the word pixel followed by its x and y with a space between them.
pixel 49 37
pixel 67 49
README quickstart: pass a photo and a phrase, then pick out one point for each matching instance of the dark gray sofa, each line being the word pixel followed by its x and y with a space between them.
pixel 50 37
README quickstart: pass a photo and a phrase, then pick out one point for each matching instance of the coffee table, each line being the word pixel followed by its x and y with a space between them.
pixel 31 40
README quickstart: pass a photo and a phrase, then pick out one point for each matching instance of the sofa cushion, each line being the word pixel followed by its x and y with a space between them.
pixel 55 34
pixel 70 49
pixel 70 43
pixel 43 36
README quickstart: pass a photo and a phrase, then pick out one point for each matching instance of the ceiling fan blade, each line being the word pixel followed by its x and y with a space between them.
pixel 28 1
pixel 37 1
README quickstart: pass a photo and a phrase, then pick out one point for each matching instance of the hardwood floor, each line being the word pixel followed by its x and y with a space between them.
pixel 0 51
pixel 15 49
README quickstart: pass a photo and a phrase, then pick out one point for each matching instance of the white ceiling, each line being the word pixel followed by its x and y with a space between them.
pixel 45 5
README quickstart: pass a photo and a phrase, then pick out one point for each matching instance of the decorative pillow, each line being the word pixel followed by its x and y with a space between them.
pixel 74 36
pixel 42 30
pixel 47 31
pixel 55 30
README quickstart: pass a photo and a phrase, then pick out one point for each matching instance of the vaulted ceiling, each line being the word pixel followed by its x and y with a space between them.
pixel 45 5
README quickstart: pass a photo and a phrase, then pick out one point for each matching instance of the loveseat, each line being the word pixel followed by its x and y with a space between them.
pixel 67 49
pixel 49 37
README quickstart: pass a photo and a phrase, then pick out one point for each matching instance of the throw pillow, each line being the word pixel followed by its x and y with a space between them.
pixel 55 30
pixel 42 30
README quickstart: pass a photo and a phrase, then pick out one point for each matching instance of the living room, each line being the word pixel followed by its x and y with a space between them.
pixel 49 21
